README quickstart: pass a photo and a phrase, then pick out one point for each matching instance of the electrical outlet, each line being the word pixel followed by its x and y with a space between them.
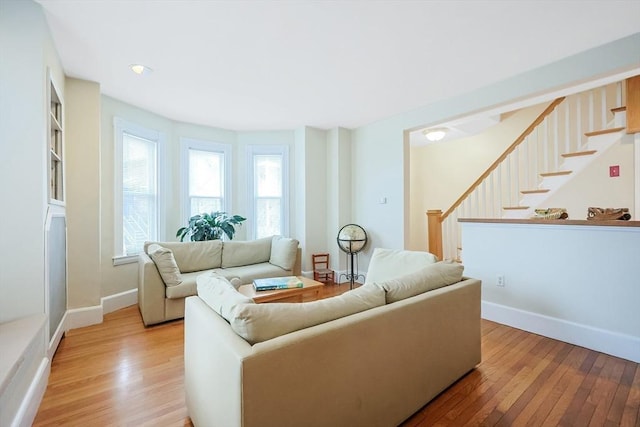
pixel 500 281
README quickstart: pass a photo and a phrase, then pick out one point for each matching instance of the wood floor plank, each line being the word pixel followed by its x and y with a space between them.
pixel 622 393
pixel 120 373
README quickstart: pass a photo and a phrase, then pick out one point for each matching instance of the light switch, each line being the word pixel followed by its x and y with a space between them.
pixel 383 200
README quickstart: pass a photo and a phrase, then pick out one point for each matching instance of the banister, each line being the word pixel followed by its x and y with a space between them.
pixel 499 160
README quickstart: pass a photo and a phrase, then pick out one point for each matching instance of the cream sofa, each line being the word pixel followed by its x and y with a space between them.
pixel 374 367
pixel 163 288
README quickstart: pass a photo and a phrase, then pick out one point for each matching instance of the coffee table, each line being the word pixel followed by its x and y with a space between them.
pixel 310 289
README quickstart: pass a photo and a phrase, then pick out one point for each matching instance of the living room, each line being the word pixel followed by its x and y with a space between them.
pixel 336 176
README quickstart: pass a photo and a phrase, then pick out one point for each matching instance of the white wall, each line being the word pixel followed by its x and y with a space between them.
pixel 378 161
pixel 578 284
pixel 27 53
pixel 593 187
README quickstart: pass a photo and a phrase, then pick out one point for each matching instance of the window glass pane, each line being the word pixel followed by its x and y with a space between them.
pixel 268 217
pixel 205 204
pixel 205 173
pixel 139 195
pixel 268 175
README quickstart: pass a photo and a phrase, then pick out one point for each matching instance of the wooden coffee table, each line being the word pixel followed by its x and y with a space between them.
pixel 310 290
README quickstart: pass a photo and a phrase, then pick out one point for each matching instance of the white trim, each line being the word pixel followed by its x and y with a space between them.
pixel 115 302
pixel 124 259
pixel 31 402
pixel 253 150
pixel 214 147
pixel 57 336
pixel 613 343
pixel 81 317
pixel 636 167
pixel 119 126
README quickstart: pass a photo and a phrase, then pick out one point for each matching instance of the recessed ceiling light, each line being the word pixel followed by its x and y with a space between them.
pixel 140 69
pixel 435 134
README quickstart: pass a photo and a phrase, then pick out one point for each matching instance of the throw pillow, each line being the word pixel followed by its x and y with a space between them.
pixel 432 277
pixel 219 294
pixel 387 264
pixel 283 252
pixel 166 264
pixel 260 322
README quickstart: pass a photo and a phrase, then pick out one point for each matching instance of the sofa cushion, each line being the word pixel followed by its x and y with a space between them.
pixel 195 256
pixel 235 254
pixel 387 264
pixel 261 322
pixel 431 277
pixel 246 273
pixel 166 264
pixel 283 252
pixel 220 294
pixel 185 289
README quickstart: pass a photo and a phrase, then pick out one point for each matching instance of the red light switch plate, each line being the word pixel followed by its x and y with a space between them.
pixel 614 170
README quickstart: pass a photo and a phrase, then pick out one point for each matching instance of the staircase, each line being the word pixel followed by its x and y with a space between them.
pixel 568 136
pixel 598 142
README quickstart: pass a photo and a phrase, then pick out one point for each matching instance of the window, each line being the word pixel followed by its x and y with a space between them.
pixel 269 176
pixel 137 198
pixel 206 176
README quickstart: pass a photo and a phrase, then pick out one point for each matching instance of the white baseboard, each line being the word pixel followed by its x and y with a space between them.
pixel 31 402
pixel 81 317
pixel 613 343
pixel 87 316
pixel 118 301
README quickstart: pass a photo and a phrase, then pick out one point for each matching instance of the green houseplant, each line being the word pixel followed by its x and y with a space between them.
pixel 210 226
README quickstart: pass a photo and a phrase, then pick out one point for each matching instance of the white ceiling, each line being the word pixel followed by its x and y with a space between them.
pixel 258 65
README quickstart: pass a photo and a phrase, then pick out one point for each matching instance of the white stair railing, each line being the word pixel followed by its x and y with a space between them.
pixel 517 174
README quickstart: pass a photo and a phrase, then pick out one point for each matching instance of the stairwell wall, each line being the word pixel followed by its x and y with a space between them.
pixel 594 187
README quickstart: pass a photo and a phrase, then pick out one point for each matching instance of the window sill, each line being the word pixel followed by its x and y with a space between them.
pixel 124 259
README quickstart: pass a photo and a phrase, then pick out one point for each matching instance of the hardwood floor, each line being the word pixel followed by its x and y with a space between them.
pixel 120 373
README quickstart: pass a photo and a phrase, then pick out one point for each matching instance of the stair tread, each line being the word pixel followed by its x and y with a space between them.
pixel 619 109
pixel 539 190
pixel 559 173
pixel 580 153
pixel 515 208
pixel 603 131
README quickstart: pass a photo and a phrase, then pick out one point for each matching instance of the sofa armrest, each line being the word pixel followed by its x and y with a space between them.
pixel 151 291
pixel 213 356
pixel 297 266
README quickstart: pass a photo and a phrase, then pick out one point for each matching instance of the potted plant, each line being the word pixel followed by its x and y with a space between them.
pixel 207 226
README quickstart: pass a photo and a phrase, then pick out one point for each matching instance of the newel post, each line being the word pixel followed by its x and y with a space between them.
pixel 434 228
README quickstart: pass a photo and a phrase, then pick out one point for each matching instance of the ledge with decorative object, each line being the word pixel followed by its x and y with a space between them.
pixel 604 223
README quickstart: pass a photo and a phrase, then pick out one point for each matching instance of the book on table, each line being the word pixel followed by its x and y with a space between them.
pixel 272 283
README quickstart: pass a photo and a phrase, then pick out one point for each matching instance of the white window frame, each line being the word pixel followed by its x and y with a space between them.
pixel 187 144
pixel 252 151
pixel 120 126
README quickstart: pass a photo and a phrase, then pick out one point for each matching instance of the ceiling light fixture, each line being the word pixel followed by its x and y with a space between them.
pixel 435 134
pixel 140 69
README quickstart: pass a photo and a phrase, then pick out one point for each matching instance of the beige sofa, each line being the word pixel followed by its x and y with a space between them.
pixel 161 296
pixel 375 367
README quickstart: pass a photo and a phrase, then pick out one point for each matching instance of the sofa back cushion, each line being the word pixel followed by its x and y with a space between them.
pixel 194 256
pixel 431 277
pixel 387 264
pixel 261 322
pixel 166 264
pixel 236 254
pixel 283 252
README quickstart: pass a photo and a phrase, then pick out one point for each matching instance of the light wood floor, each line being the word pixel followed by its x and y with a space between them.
pixel 120 373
